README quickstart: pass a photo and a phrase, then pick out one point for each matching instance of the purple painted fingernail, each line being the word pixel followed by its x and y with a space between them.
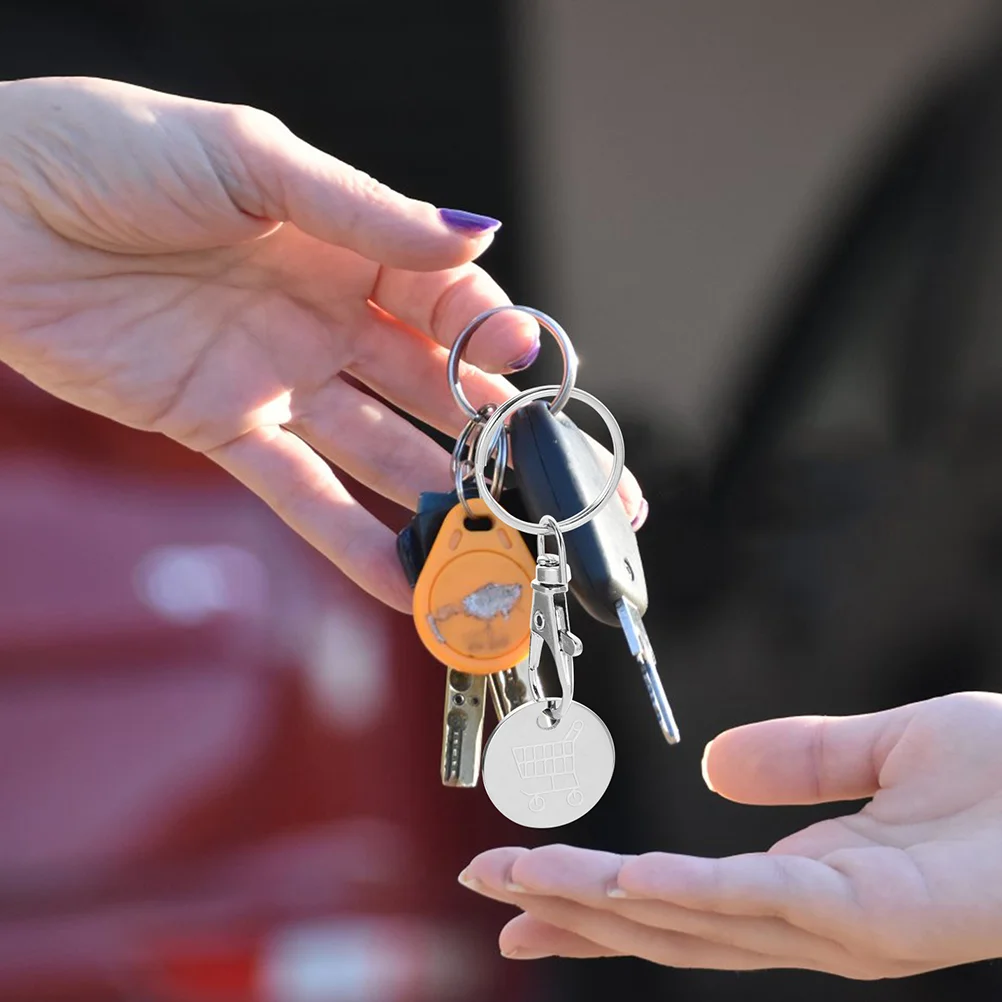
pixel 524 361
pixel 642 512
pixel 468 222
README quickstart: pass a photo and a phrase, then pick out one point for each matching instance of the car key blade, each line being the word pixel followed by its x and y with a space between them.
pixel 641 649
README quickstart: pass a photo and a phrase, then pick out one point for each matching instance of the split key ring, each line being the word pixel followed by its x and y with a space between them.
pixel 563 342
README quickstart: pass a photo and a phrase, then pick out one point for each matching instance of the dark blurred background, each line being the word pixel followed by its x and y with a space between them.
pixel 773 230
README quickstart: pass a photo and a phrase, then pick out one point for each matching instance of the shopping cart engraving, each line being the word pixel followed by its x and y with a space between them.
pixel 548 767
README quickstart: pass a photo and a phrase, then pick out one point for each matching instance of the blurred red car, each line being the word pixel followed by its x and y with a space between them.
pixel 218 758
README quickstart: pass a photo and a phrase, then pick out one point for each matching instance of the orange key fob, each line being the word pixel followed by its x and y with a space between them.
pixel 473 598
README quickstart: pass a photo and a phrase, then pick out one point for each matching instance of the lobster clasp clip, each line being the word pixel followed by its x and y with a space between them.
pixel 550 624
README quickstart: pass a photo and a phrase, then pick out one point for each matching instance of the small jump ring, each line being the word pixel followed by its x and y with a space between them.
pixel 494 426
pixel 461 468
pixel 563 342
pixel 552 527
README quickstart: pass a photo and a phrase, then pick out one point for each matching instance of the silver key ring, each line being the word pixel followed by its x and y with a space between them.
pixel 461 468
pixel 563 341
pixel 485 446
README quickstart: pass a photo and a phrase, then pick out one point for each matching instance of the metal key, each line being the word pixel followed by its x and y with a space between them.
pixel 557 473
pixel 465 693
pixel 463 715
pixel 463 719
pixel 509 689
pixel 463 728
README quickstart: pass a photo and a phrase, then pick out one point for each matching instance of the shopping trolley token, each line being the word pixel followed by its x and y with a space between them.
pixel 547 777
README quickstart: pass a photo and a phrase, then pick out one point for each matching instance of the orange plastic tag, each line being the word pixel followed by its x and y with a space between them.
pixel 473 598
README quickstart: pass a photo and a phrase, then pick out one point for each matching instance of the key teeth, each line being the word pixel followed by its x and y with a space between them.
pixel 659 700
pixel 643 651
pixel 462 729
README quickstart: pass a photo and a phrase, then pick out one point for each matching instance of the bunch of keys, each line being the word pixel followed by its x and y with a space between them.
pixel 486 609
pixel 472 580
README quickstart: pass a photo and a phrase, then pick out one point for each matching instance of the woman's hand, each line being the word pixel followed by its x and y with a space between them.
pixel 911 883
pixel 197 270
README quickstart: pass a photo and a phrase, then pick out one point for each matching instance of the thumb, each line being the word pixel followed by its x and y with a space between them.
pixel 803 760
pixel 275 175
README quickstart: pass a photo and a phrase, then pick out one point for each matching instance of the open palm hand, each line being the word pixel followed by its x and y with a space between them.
pixel 910 883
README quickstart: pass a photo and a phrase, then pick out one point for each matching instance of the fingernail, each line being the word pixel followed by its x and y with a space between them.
pixel 514 888
pixel 468 222
pixel 616 892
pixel 702 767
pixel 524 361
pixel 515 953
pixel 642 512
pixel 467 881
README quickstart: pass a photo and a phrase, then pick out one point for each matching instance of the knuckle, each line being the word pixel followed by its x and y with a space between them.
pixel 235 145
pixel 363 194
pixel 245 122
pixel 368 189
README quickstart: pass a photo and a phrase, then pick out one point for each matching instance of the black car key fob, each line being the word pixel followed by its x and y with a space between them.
pixel 558 473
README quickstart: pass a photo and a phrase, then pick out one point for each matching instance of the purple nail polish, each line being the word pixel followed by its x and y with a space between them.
pixel 468 222
pixel 642 512
pixel 524 361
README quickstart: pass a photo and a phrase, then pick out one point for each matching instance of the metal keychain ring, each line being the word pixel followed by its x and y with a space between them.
pixel 563 342
pixel 462 468
pixel 490 431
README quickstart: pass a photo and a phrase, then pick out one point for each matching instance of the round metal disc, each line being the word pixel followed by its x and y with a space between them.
pixel 542 777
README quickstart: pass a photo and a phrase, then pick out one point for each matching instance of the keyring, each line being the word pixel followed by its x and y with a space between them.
pixel 563 341
pixel 461 468
pixel 485 446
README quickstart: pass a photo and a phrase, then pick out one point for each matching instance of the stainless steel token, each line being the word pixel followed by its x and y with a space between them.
pixel 545 776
